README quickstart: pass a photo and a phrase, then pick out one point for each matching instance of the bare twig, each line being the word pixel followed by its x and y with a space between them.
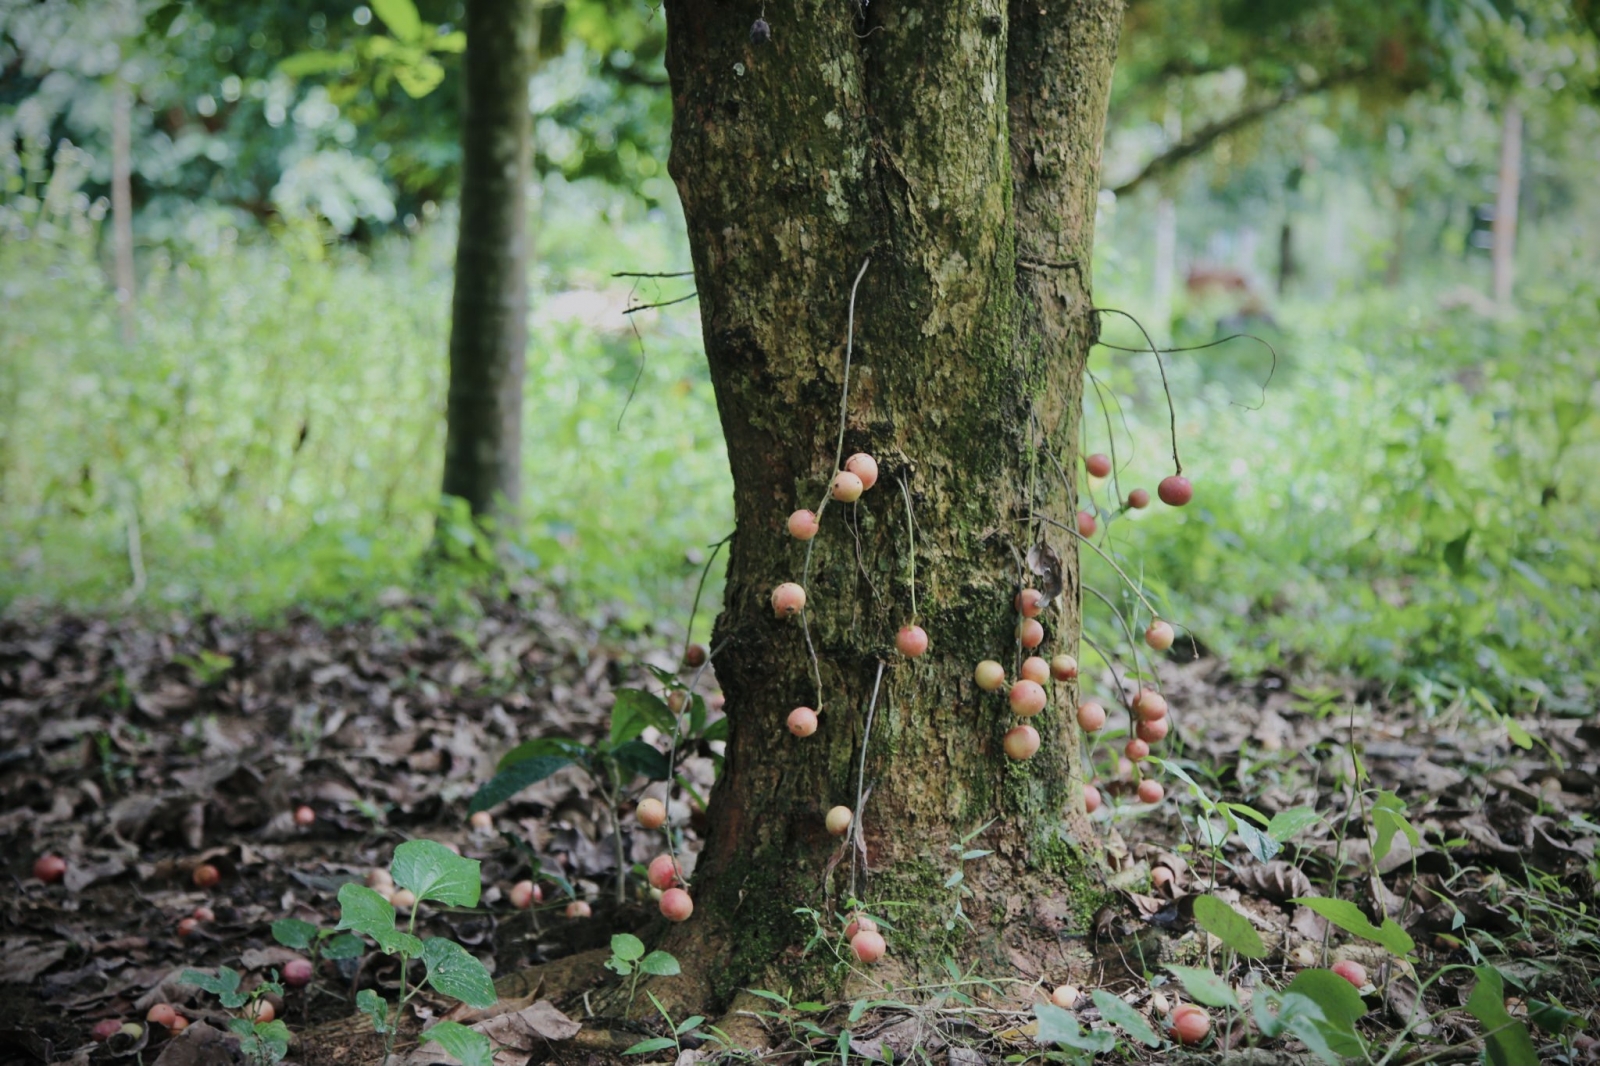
pixel 861 781
pixel 1172 412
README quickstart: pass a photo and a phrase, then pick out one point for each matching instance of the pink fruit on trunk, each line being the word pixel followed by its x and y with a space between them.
pixel 803 525
pixel 846 487
pixel 1030 633
pixel 1137 750
pixel 694 656
pixel 838 820
pixel 858 923
pixel 802 721
pixel 989 675
pixel 676 905
pixel 1091 798
pixel 663 872
pixel 1139 499
pixel 1098 465
pixel 1160 635
pixel 864 467
pixel 652 813
pixel 1091 716
pixel 1151 732
pixel 1020 743
pixel 1029 602
pixel 1027 698
pixel 1175 491
pixel 1150 705
pixel 869 945
pixel 1086 524
pixel 1035 669
pixel 1064 668
pixel 912 641
pixel 1150 791
pixel 788 600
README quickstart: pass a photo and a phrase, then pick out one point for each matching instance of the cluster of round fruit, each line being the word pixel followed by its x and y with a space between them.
pixel 1149 707
pixel 1188 1022
pixel 664 873
pixel 1174 490
pixel 1026 694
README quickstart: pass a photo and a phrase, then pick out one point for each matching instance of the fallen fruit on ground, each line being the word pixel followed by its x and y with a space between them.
pixel 676 905
pixel 482 821
pixel 578 909
pixel 162 1014
pixel 1175 491
pixel 304 816
pixel 49 868
pixel 869 945
pixel 203 913
pixel 1351 971
pixel 179 1024
pixel 912 641
pixel 651 813
pixel 106 1029
pixel 989 675
pixel 1020 743
pixel 802 721
pixel 838 820
pixel 378 880
pixel 205 875
pixel 788 600
pixel 1064 996
pixel 1190 1024
pixel 187 926
pixel 524 894
pixel 260 1010
pixel 403 899
pixel 297 973
pixel 663 872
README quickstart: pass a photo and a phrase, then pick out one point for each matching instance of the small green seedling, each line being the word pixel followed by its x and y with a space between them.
pixel 318 943
pixel 628 959
pixel 262 1043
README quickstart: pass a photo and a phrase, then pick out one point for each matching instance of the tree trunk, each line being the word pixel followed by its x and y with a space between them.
pixel 122 204
pixel 1504 229
pixel 489 315
pixel 956 145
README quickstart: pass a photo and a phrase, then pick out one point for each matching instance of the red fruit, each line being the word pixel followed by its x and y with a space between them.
pixel 1086 524
pixel 1150 705
pixel 788 600
pixel 989 675
pixel 803 525
pixel 663 872
pixel 49 868
pixel 187 927
pixel 694 656
pixel 525 894
pixel 260 1010
pixel 846 487
pixel 1175 491
pixel 1137 750
pixel 1064 668
pixel 203 913
pixel 676 905
pixel 1098 465
pixel 651 813
pixel 304 816
pixel 912 641
pixel 297 973
pixel 1190 1024
pixel 864 467
pixel 1351 971
pixel 802 721
pixel 858 923
pixel 1029 602
pixel 1027 699
pixel 838 820
pixel 578 909
pixel 1150 791
pixel 1030 633
pixel 868 944
pixel 162 1014
pixel 1160 635
pixel 205 875
pixel 1035 669
pixel 482 821
pixel 1151 732
pixel 106 1029
pixel 1091 798
pixel 1091 716
pixel 1138 499
pixel 1021 742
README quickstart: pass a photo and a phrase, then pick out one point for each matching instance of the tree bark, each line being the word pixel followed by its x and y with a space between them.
pixel 1504 228
pixel 956 145
pixel 489 313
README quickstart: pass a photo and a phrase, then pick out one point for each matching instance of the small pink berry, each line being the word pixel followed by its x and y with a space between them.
pixel 858 923
pixel 1029 602
pixel 304 816
pixel 1035 669
pixel 1150 705
pixel 677 700
pixel 297 973
pixel 187 927
pixel 788 600
pixel 838 820
pixel 1098 465
pixel 651 813
pixel 1160 877
pixel 864 467
pixel 161 1014
pixel 1064 668
pixel 803 525
pixel 869 945
pixel 261 1011
pixel 1137 750
pixel 989 675
pixel 1030 633
pixel 482 821
pixel 1091 716
pixel 1021 743
pixel 1150 791
pixel 1086 524
pixel 695 655
pixel 1139 499
pixel 1065 996
pixel 179 1024
pixel 524 894
pixel 912 641
pixel 578 909
pixel 1190 1023
pixel 676 906
pixel 49 868
pixel 1175 491
pixel 1027 698
pixel 1152 731
pixel 1351 971
pixel 106 1029
pixel 203 913
pixel 663 872
pixel 847 487
pixel 205 875
pixel 802 721
pixel 1160 635
pixel 403 899
pixel 1091 798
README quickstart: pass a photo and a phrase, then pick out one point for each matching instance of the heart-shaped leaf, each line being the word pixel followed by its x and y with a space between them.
pixel 468 1045
pixel 659 964
pixel 1229 926
pixel 1348 916
pixel 627 947
pixel 1205 987
pixel 293 933
pixel 456 973
pixel 1116 1011
pixel 372 1005
pixel 434 872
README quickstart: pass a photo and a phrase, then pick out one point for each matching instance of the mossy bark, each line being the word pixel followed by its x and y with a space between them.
pixel 956 145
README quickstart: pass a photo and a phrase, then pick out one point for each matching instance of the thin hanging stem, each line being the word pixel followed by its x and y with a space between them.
pixel 856 843
pixel 1172 412
pixel 911 531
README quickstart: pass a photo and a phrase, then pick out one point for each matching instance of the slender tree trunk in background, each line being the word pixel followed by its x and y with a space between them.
pixel 1505 205
pixel 122 204
pixel 1287 267
pixel 956 144
pixel 489 314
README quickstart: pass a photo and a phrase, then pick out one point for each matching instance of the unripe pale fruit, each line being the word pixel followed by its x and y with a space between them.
pixel 1022 742
pixel 868 944
pixel 1190 1024
pixel 1086 524
pixel 1160 877
pixel 1064 996
pixel 663 872
pixel 989 675
pixel 482 821
pixel 49 868
pixel 912 641
pixel 162 1014
pixel 179 1024
pixel 297 973
pixel 1160 635
pixel 1150 705
pixel 1064 668
pixel 524 894
pixel 187 927
pixel 1027 699
pixel 1098 465
pixel 864 467
pixel 203 913
pixel 1175 491
pixel 838 821
pixel 578 909
pixel 1029 602
pixel 1151 732
pixel 378 880
pixel 788 600
pixel 858 923
pixel 802 721
pixel 1091 798
pixel 1139 499
pixel 304 816
pixel 1150 791
pixel 205 875
pixel 694 656
pixel 1030 633
pixel 676 905
pixel 846 487
pixel 1351 971
pixel 1137 750
pixel 403 899
pixel 105 1030
pixel 260 1010
pixel 1091 716
pixel 677 700
pixel 651 813
pixel 1035 669
pixel 803 525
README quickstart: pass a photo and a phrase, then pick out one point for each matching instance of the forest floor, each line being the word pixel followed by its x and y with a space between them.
pixel 138 751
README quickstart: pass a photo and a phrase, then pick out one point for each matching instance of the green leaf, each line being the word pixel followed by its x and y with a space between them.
pixel 468 1045
pixel 1506 1039
pixel 1057 1026
pixel 455 972
pixel 1260 844
pixel 660 964
pixel 419 77
pixel 1285 824
pixel 1348 916
pixel 433 871
pixel 857 1009
pixel 655 1043
pixel 225 985
pixel 1519 736
pixel 454 42
pixel 273 1037
pixel 1114 1010
pixel 643 759
pixel 1389 816
pixel 1177 771
pixel 627 947
pixel 1340 1002
pixel 1552 1017
pixel 1204 986
pixel 1229 926
pixel 508 782
pixel 343 946
pixel 401 17
pixel 1302 1017
pixel 782 1001
pixel 689 1023
pixel 293 933
pixel 371 1004
pixel 305 64
pixel 544 747
pixel 636 709
pixel 362 909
